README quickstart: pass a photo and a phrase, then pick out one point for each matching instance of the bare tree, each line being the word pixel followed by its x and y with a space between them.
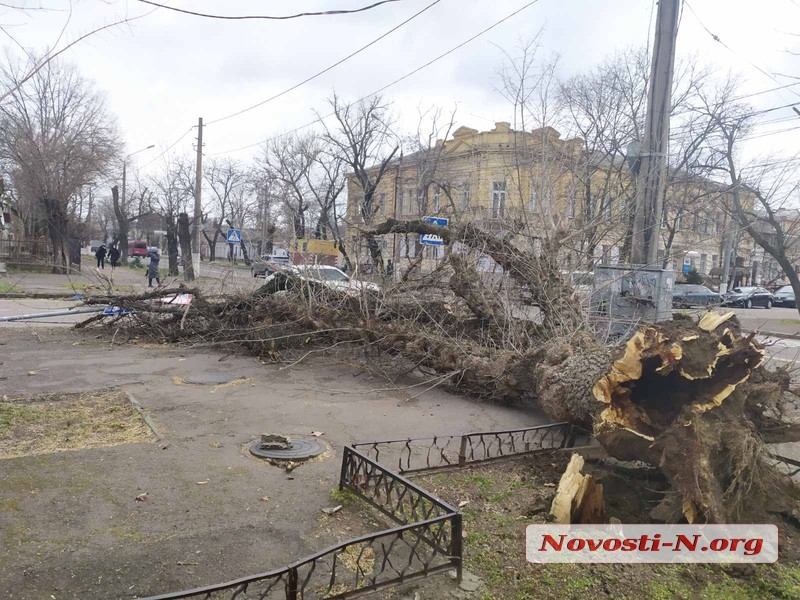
pixel 363 138
pixel 287 162
pixel 225 178
pixel 172 197
pixel 57 137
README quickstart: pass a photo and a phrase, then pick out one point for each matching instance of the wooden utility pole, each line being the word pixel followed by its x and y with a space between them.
pixel 198 200
pixel 651 182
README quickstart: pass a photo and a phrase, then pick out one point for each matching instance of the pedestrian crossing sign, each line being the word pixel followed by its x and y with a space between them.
pixel 234 236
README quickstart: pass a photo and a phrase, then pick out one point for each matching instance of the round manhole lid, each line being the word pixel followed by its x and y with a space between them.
pixel 300 449
pixel 210 378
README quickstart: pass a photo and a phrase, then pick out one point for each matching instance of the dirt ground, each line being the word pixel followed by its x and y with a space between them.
pixel 500 500
pixel 71 526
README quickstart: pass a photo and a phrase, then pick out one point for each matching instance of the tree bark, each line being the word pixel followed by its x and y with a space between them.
pixel 123 225
pixel 185 240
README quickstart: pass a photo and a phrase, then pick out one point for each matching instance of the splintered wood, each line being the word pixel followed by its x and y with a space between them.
pixel 579 498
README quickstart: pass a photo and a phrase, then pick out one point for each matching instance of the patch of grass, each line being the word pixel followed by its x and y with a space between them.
pixel 790 321
pixel 63 422
pixel 484 483
pixel 125 534
pixel 5 287
pixel 9 504
pixel 343 497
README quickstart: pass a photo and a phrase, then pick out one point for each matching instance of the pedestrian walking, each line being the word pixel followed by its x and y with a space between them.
pixel 152 269
pixel 113 256
pixel 101 256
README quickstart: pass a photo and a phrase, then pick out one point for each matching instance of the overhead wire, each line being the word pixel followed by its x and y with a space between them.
pixel 171 146
pixel 270 17
pixel 326 69
pixel 717 39
pixel 388 85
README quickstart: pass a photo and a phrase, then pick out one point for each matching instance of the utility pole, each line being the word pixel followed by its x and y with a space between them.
pixel 651 183
pixel 198 198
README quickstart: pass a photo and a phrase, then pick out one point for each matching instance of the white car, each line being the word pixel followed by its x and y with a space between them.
pixel 330 277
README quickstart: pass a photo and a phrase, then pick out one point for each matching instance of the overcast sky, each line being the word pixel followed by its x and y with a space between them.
pixel 166 69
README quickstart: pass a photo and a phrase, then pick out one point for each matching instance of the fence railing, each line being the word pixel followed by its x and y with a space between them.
pixel 414 455
pixel 428 538
pixel 23 250
pixel 789 466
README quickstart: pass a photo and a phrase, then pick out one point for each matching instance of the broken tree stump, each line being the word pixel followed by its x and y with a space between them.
pixel 579 498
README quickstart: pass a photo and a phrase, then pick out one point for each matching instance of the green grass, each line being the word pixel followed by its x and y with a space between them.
pixel 790 321
pixel 5 287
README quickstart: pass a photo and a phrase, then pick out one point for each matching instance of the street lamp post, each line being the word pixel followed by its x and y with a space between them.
pixel 124 255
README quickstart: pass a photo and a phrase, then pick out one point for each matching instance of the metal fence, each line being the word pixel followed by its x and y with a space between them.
pixel 428 536
pixel 23 250
pixel 786 465
pixel 415 455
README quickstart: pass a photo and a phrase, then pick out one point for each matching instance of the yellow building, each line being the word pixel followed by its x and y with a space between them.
pixel 536 186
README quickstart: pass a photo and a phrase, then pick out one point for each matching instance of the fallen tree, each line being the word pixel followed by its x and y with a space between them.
pixel 692 398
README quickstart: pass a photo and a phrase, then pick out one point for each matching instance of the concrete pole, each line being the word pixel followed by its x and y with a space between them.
pixel 651 182
pixel 198 200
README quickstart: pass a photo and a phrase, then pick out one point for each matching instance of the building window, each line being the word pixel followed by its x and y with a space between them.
pixel 714 261
pixel 679 221
pixel 408 246
pixel 421 202
pixel 498 199
pixel 534 202
pixel 703 263
pixel 465 196
pixel 571 202
pixel 381 207
pixel 606 254
pixel 437 200
pixel 434 252
pixel 718 225
pixel 606 205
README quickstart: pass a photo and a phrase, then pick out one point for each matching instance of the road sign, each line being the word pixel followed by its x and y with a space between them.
pixel 430 239
pixel 234 236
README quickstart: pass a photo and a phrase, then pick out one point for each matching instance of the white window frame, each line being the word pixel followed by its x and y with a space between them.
pixel 533 203
pixel 465 195
pixel 437 198
pixel 499 190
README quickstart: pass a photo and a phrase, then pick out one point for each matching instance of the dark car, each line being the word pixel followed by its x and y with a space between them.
pixel 748 297
pixel 269 263
pixel 686 294
pixel 784 297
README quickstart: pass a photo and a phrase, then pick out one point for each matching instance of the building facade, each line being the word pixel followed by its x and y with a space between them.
pixel 537 186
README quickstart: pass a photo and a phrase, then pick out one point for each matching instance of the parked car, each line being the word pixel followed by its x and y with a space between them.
pixel 748 297
pixel 330 277
pixel 94 245
pixel 137 248
pixel 685 295
pixel 784 297
pixel 269 263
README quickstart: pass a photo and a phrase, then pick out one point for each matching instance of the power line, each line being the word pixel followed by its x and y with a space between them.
pixel 171 146
pixel 269 17
pixel 717 39
pixel 388 85
pixel 325 70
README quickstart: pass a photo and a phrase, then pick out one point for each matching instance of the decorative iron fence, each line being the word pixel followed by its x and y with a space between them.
pixel 786 465
pixel 414 455
pixel 428 538
pixel 23 250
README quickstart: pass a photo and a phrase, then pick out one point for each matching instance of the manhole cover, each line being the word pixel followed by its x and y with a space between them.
pixel 300 449
pixel 210 378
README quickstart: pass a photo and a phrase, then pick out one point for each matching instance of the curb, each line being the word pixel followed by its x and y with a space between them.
pixel 145 417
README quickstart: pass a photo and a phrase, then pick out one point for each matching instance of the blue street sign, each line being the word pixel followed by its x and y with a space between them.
pixel 234 236
pixel 430 239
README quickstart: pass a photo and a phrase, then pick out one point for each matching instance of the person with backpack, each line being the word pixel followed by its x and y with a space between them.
pixel 101 256
pixel 152 269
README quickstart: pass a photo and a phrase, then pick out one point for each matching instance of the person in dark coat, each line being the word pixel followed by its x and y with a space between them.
pixel 152 269
pixel 101 256
pixel 113 256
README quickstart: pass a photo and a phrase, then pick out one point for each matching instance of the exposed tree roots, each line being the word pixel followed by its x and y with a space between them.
pixel 691 398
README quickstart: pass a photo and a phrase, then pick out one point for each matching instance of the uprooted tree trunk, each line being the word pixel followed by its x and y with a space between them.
pixel 690 398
